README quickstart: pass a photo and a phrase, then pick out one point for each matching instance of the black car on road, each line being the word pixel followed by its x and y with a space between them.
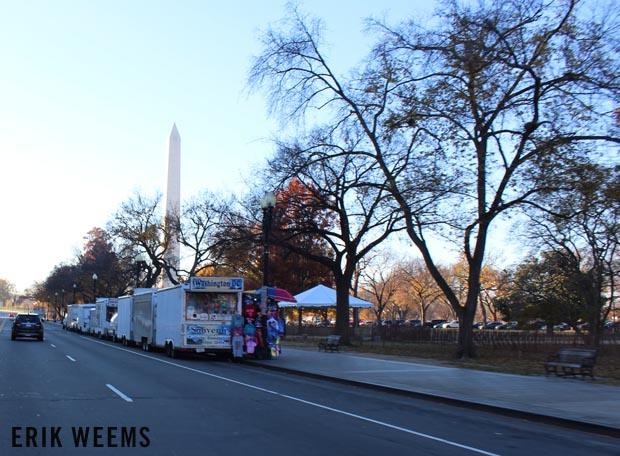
pixel 27 325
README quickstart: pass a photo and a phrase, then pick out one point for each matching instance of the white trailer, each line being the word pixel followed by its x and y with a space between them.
pixel 142 319
pixel 82 322
pixel 193 317
pixel 90 323
pixel 122 323
pixel 70 320
pixel 105 308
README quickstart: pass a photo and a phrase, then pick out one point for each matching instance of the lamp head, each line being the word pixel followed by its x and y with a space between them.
pixel 268 200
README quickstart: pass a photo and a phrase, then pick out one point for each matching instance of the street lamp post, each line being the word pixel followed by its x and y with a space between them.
pixel 141 265
pixel 95 287
pixel 62 302
pixel 267 203
pixel 74 288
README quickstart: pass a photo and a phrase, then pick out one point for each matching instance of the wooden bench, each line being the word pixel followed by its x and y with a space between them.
pixel 571 361
pixel 331 343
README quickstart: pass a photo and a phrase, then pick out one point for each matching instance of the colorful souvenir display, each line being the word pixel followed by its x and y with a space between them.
pixel 262 333
pixel 236 335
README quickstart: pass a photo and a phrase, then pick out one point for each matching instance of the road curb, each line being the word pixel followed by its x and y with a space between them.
pixel 593 428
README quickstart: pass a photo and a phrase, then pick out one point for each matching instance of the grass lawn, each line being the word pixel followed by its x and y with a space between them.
pixel 606 370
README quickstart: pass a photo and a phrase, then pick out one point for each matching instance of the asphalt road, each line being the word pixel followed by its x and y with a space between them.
pixel 97 397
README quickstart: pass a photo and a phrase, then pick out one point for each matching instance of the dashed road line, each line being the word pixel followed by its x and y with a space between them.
pixel 120 393
pixel 303 401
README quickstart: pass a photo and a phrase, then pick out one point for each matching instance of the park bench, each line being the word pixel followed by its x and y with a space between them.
pixel 571 361
pixel 331 343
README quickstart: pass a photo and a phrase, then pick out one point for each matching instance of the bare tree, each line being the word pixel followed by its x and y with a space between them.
pixel 584 226
pixel 199 233
pixel 495 92
pixel 380 282
pixel 337 207
pixel 137 226
pixel 7 291
pixel 466 116
pixel 419 287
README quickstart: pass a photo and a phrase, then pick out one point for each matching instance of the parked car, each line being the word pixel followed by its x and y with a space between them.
pixel 27 325
pixel 559 327
pixel 562 327
pixel 450 324
pixel 493 324
pixel 509 325
pixel 434 323
pixel 612 325
pixel 415 323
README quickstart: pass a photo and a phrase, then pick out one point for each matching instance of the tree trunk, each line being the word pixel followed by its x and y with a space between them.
pixel 342 309
pixel 466 347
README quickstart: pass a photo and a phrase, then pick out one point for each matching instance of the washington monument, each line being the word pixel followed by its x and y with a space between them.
pixel 172 208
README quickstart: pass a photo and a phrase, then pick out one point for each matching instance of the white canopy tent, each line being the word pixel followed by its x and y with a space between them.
pixel 322 296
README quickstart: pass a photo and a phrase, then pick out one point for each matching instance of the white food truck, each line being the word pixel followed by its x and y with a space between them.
pixel 193 317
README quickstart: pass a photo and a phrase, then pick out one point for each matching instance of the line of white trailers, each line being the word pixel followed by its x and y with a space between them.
pixel 193 317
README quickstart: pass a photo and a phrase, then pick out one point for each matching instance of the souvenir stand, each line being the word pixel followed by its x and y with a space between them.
pixel 263 326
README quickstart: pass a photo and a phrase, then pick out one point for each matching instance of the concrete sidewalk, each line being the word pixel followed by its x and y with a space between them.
pixel 566 401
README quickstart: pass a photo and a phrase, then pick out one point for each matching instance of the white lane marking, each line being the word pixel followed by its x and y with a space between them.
pixel 71 359
pixel 120 393
pixel 52 345
pixel 383 371
pixel 303 401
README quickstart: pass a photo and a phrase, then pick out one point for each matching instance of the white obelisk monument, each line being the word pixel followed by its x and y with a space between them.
pixel 172 205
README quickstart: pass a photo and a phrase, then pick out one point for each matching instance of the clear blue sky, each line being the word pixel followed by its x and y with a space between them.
pixel 90 89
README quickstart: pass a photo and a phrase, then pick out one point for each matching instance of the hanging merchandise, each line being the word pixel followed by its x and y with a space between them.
pixel 249 328
pixel 237 333
pixel 273 337
pixel 260 328
pixel 249 331
pixel 249 311
pixel 262 331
